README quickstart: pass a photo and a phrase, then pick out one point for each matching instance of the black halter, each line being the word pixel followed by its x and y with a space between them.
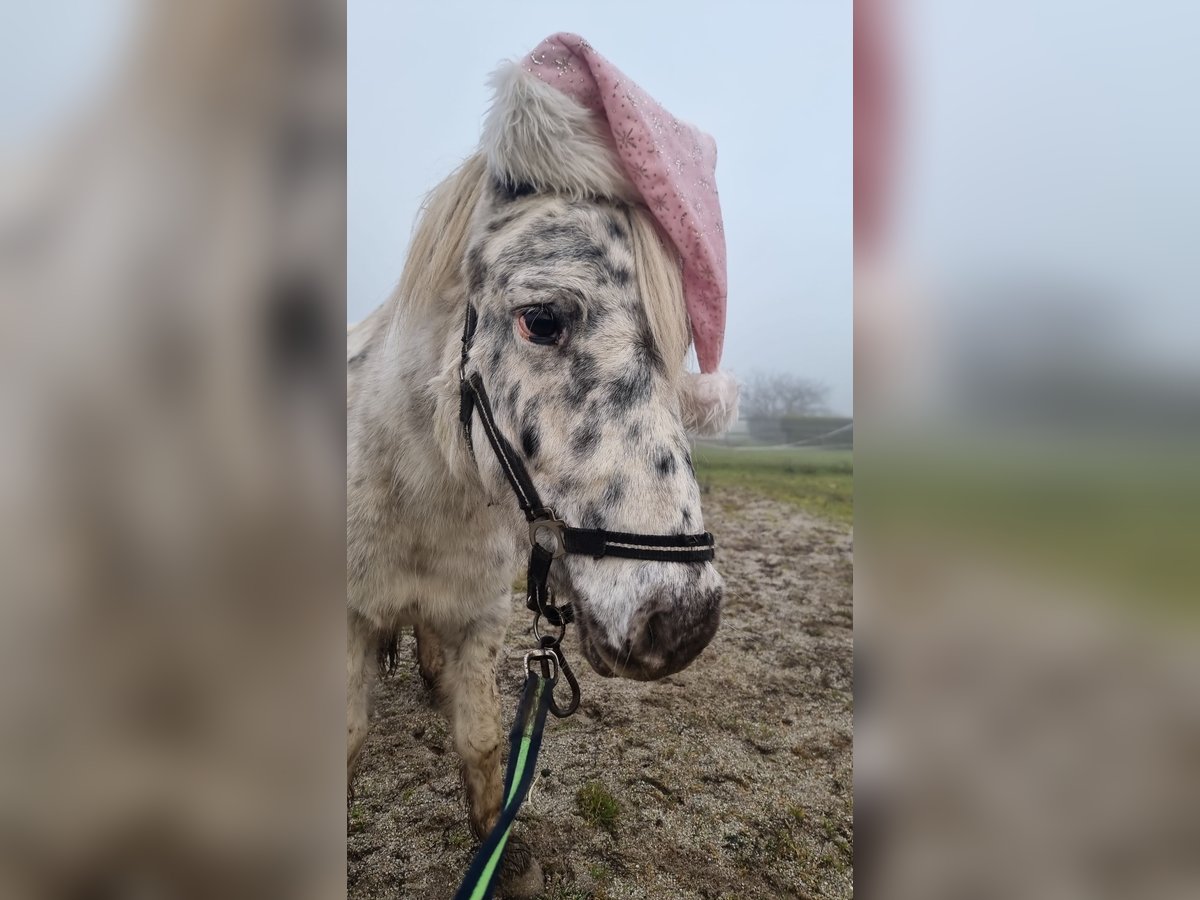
pixel 549 537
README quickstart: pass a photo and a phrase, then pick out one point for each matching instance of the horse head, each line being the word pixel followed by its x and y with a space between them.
pixel 580 335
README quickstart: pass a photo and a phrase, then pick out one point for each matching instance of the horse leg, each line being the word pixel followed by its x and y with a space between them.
pixel 429 655
pixel 360 668
pixel 469 685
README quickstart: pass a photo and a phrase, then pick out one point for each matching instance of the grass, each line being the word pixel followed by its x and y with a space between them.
pixel 767 843
pixel 820 482
pixel 599 872
pixel 598 807
pixel 357 821
pixel 1125 519
pixel 600 875
pixel 565 892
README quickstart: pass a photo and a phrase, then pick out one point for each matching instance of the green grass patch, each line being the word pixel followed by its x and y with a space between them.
pixel 1125 518
pixel 357 820
pixel 820 482
pixel 598 807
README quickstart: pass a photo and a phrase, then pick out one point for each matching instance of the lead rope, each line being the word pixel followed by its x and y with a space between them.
pixel 525 742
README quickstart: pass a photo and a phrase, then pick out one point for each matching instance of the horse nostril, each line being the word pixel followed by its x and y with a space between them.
pixel 649 636
pixel 675 632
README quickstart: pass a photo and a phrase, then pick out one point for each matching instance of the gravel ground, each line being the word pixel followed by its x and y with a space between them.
pixel 731 779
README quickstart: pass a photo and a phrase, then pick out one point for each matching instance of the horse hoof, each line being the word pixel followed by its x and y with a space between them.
pixel 429 678
pixel 520 873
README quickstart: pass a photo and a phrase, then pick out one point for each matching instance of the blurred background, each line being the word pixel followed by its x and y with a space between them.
pixel 1028 364
pixel 172 267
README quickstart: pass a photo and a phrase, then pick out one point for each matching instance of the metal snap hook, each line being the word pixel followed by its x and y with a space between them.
pixel 545 656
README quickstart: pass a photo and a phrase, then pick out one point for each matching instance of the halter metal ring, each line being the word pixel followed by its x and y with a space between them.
pixel 537 634
pixel 549 524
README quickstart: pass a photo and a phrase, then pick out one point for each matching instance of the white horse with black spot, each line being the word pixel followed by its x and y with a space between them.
pixel 587 293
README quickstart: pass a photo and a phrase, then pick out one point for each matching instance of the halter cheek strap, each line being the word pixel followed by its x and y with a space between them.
pixel 543 522
pixel 550 537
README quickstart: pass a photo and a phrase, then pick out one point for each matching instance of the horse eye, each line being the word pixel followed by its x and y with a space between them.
pixel 540 325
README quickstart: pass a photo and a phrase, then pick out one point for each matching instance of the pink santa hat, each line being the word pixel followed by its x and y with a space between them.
pixel 566 119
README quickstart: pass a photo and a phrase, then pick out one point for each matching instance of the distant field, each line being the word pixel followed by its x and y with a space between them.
pixel 1124 518
pixel 820 482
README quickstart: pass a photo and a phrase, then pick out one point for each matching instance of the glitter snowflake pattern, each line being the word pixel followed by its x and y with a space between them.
pixel 669 161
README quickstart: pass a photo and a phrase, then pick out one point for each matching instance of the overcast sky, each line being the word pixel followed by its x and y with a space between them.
pixel 770 81
pixel 1058 142
pixel 1046 137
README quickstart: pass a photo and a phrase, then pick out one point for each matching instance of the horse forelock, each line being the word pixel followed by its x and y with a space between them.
pixel 471 208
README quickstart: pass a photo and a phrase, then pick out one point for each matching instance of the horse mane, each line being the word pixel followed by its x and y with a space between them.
pixel 439 241
pixel 433 276
pixel 660 283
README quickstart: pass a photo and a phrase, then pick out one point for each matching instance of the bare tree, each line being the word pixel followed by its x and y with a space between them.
pixel 771 395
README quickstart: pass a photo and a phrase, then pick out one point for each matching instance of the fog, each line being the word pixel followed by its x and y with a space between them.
pixel 771 82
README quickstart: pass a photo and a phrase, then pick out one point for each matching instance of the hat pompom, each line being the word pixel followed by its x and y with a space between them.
pixel 709 402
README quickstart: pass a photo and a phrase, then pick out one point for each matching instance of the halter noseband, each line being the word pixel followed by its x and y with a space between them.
pixel 545 526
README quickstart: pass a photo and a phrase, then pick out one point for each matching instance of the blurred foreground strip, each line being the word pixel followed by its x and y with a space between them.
pixel 172 469
pixel 1028 689
pixel 1027 509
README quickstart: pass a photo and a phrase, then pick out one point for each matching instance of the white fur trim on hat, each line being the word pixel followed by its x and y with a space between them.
pixel 709 402
pixel 535 134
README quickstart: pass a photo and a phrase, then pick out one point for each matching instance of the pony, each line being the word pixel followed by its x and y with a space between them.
pixel 582 339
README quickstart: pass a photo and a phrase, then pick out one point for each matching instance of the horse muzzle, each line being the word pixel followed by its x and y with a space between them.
pixel 664 637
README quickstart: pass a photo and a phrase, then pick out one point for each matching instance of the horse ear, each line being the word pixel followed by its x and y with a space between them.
pixel 708 402
pixel 536 135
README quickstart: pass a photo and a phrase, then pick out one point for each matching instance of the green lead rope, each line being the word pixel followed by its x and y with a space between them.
pixel 526 741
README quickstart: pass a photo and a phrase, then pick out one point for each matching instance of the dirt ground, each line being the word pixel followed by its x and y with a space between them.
pixel 731 779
